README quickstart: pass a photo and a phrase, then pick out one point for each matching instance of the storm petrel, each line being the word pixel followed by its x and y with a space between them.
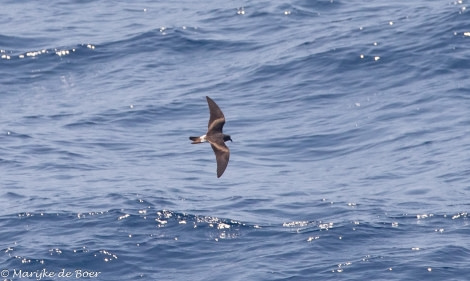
pixel 215 136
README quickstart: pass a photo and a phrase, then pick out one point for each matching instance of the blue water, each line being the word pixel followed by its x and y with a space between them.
pixel 350 157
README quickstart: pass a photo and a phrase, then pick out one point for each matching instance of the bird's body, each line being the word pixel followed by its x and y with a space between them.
pixel 216 137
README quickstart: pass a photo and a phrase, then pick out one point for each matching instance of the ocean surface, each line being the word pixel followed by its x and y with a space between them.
pixel 350 123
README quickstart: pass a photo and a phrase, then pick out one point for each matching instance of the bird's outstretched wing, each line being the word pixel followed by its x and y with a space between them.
pixel 216 119
pixel 222 155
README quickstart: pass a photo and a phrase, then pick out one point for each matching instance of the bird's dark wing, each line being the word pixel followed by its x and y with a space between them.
pixel 222 155
pixel 217 118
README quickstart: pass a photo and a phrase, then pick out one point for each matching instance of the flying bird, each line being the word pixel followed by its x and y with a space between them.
pixel 215 137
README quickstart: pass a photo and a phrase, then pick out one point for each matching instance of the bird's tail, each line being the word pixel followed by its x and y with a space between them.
pixel 195 139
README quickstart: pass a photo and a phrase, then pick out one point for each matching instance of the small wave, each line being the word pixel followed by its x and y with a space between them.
pixel 33 54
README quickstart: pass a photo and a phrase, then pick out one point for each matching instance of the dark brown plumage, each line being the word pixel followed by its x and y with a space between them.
pixel 215 136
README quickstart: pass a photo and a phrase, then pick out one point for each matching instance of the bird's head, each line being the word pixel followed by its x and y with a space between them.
pixel 227 138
